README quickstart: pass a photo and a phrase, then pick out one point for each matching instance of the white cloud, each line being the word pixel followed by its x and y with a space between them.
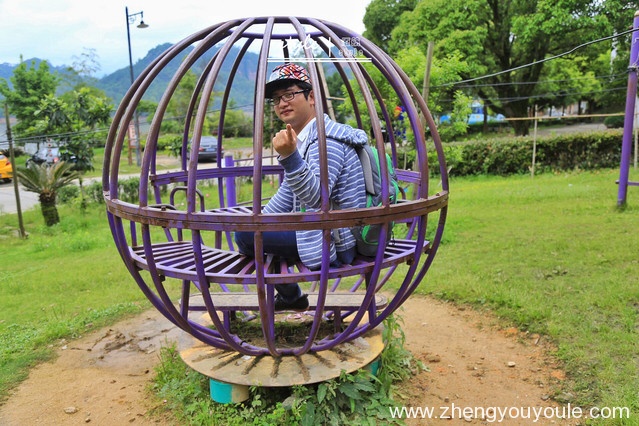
pixel 60 30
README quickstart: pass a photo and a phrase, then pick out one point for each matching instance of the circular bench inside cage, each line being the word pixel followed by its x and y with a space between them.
pixel 178 260
pixel 227 271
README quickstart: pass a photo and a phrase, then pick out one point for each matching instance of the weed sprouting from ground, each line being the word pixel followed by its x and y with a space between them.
pixel 351 399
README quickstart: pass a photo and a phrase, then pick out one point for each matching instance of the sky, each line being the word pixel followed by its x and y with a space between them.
pixel 62 31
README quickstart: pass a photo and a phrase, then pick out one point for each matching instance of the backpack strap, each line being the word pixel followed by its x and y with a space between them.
pixel 366 159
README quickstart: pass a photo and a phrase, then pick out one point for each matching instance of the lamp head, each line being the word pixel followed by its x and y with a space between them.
pixel 142 24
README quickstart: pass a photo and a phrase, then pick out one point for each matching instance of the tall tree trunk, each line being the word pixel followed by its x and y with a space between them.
pixel 83 200
pixel 518 108
pixel 521 127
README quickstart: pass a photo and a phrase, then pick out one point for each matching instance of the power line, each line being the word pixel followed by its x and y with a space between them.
pixel 546 95
pixel 549 95
pixel 536 62
pixel 610 78
pixel 40 138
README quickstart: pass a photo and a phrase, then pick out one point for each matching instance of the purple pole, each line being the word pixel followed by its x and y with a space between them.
pixel 231 197
pixel 631 97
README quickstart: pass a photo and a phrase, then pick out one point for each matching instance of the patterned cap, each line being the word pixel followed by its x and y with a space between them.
pixel 285 73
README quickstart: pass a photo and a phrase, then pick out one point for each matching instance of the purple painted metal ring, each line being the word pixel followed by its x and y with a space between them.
pixel 170 236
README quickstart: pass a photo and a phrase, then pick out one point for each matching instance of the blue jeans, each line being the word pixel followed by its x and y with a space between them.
pixel 284 244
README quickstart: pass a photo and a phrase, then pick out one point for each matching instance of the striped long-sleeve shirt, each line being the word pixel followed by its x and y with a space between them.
pixel 300 190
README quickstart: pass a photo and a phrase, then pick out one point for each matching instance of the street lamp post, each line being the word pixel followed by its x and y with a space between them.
pixel 130 19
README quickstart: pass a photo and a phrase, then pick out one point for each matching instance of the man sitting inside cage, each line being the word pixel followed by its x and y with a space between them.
pixel 290 90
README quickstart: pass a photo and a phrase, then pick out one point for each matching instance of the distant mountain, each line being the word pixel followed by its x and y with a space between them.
pixel 6 69
pixel 116 84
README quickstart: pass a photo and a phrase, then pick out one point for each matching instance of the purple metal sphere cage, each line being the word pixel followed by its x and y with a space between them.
pixel 181 252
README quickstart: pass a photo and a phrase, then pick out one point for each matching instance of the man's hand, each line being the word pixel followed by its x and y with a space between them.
pixel 285 141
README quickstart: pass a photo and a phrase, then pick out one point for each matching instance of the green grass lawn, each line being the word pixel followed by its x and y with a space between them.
pixel 550 254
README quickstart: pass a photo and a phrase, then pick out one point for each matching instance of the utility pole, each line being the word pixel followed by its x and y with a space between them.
pixel 329 103
pixel 12 158
pixel 426 87
pixel 130 19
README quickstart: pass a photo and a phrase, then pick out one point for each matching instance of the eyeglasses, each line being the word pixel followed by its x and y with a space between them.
pixel 286 97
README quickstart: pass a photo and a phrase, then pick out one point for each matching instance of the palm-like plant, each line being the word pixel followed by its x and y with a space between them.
pixel 46 181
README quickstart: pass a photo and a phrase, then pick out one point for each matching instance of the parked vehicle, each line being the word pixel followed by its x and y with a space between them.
pixel 208 149
pixel 49 155
pixel 6 169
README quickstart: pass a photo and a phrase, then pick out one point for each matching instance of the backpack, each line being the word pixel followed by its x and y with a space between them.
pixel 367 236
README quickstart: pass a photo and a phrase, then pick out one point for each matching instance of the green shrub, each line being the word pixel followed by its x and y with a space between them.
pixel 93 192
pixel 170 143
pixel 584 151
pixel 129 189
pixel 68 193
pixel 493 126
pixel 614 122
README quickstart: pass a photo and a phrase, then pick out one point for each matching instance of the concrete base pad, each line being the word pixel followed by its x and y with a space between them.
pixel 235 368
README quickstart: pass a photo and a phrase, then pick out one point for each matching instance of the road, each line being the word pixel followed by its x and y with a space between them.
pixel 29 200
pixel 8 205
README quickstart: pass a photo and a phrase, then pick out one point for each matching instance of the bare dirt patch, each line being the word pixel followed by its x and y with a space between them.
pixel 472 362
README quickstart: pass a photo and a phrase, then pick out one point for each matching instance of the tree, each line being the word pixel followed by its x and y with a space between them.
pixel 457 124
pixel 495 36
pixel 174 118
pixel 30 85
pixel 82 72
pixel 46 181
pixel 72 117
pixel 382 16
pixel 86 66
pixel 613 61
pixel 334 82
pixel 75 117
pixel 565 82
